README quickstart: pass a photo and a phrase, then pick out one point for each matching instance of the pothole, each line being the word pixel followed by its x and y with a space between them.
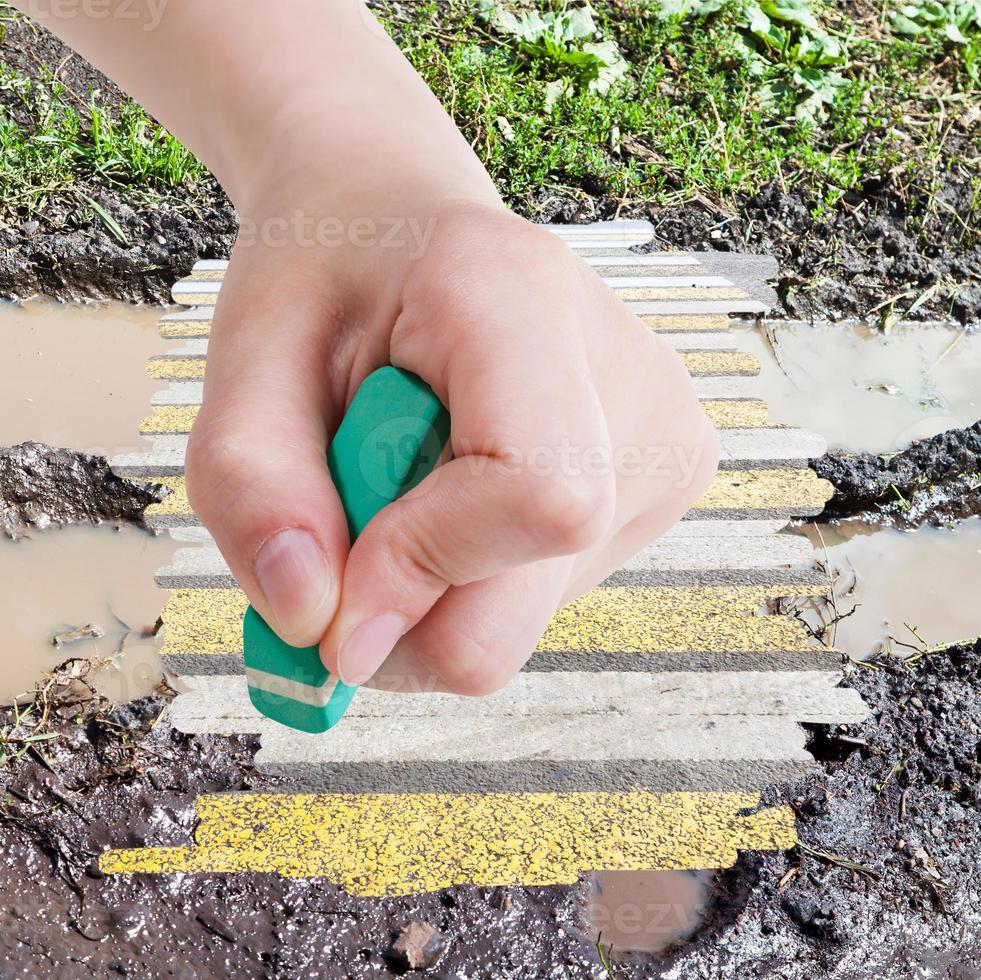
pixel 866 392
pixel 896 592
pixel 82 580
pixel 646 911
pixel 75 375
pixel 863 390
pixel 75 378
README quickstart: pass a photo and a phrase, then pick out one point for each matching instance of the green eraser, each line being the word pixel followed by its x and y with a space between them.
pixel 391 438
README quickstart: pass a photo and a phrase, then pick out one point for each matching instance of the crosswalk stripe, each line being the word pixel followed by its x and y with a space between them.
pixel 606 620
pixel 385 844
pixel 547 731
pixel 646 309
pixel 205 567
pixel 744 528
pixel 773 492
pixel 747 414
pixel 712 388
pixel 196 322
pixel 694 292
pixel 738 446
pixel 176 368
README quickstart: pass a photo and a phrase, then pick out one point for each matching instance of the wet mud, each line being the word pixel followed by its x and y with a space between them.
pixel 42 487
pixel 935 481
pixel 67 256
pixel 884 884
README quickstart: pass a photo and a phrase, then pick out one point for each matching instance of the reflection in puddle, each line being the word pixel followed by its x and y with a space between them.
pixel 866 391
pixel 647 911
pixel 74 376
pixel 79 576
pixel 927 579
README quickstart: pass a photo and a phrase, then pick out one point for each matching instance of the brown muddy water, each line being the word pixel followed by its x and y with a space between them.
pixel 62 580
pixel 869 392
pixel 866 391
pixel 646 911
pixel 74 376
pixel 897 591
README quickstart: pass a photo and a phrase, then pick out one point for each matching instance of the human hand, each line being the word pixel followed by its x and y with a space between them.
pixel 576 435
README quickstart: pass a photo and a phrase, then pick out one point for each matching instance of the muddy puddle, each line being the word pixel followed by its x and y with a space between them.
pixel 74 376
pixel 64 580
pixel 870 392
pixel 866 391
pixel 897 591
pixel 646 911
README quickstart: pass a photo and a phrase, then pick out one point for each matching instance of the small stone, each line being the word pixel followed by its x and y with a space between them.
pixel 504 900
pixel 418 945
pixel 93 923
pixel 217 926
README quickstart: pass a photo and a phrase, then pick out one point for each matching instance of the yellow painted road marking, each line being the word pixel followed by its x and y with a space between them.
pixel 686 324
pixel 611 620
pixel 730 490
pixel 179 329
pixel 737 414
pixel 766 490
pixel 697 362
pixel 405 843
pixel 176 368
pixel 170 419
pixel 192 328
pixel 734 414
pixel 719 362
pixel 699 293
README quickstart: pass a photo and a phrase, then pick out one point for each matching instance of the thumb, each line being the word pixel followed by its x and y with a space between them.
pixel 468 521
pixel 256 468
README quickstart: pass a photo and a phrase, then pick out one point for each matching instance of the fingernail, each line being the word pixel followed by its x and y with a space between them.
pixel 295 579
pixel 367 648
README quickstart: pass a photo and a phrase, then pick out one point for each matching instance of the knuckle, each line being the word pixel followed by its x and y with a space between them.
pixel 571 514
pixel 480 683
pixel 477 673
pixel 409 563
pixel 217 463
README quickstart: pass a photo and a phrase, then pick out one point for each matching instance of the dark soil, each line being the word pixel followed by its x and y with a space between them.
pixel 68 257
pixel 935 481
pixel 41 487
pixel 844 265
pixel 885 885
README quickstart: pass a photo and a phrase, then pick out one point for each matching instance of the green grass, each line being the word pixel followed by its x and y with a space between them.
pixel 55 145
pixel 712 107
pixel 696 116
